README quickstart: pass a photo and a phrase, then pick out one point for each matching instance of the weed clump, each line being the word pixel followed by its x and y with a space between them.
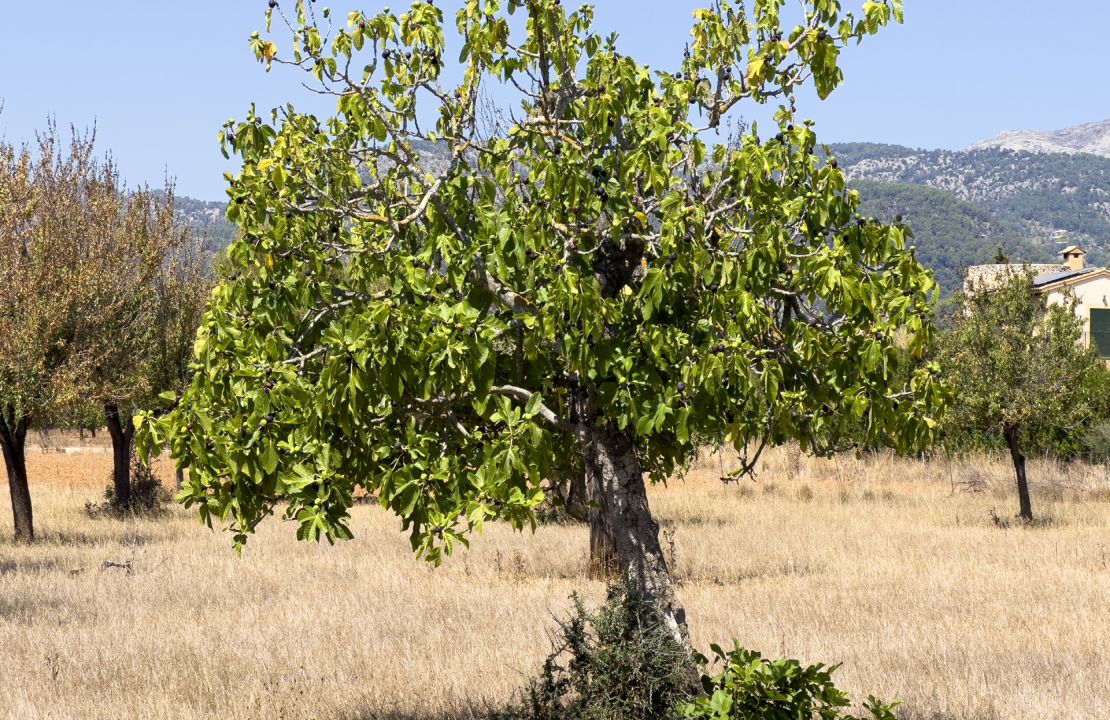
pixel 753 688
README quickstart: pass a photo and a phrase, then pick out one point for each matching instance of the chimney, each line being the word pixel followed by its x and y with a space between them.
pixel 1074 257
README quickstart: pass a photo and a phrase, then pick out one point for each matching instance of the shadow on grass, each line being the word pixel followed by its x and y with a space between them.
pixel 83 539
pixel 25 612
pixel 1006 522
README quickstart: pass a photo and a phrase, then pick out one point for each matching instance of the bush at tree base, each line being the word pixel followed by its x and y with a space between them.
pixel 149 497
pixel 620 662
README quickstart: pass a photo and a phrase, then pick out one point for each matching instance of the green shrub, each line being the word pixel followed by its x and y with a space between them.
pixel 1096 442
pixel 753 688
pixel 619 662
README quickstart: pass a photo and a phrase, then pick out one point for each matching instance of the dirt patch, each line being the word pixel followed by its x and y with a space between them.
pixel 82 471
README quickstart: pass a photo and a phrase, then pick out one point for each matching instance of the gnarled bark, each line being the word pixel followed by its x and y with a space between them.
pixel 613 468
pixel 604 561
pixel 13 438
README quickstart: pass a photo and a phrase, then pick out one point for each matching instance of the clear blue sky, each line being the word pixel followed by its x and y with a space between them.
pixel 159 77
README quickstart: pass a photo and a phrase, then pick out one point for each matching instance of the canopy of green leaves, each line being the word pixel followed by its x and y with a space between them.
pixel 1017 363
pixel 445 339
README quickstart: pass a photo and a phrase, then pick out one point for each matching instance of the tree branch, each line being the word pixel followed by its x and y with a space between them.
pixel 524 396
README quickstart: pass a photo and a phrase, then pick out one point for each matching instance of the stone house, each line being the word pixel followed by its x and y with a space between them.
pixel 1090 285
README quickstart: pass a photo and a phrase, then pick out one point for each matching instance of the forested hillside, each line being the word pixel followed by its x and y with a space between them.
pixel 207 218
pixel 949 233
pixel 1039 194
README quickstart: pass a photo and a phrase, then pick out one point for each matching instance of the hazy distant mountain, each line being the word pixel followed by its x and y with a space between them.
pixel 1093 138
pixel 207 218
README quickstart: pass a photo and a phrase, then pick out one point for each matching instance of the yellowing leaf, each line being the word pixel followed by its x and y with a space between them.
pixel 755 67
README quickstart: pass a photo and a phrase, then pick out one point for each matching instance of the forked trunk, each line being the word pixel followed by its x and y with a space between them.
pixel 13 441
pixel 612 467
pixel 572 495
pixel 122 432
pixel 1013 436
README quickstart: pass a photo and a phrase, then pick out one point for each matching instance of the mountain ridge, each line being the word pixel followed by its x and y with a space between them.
pixel 1092 138
pixel 1041 194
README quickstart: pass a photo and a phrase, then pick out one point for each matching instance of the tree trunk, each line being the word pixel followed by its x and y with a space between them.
pixel 604 561
pixel 13 440
pixel 613 468
pixel 1012 438
pixel 179 475
pixel 122 432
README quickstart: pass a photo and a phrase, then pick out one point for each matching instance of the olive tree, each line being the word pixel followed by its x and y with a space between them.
pixel 1018 367
pixel 586 285
pixel 45 246
pixel 100 296
pixel 141 312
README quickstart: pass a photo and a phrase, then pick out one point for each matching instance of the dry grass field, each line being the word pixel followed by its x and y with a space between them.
pixel 892 567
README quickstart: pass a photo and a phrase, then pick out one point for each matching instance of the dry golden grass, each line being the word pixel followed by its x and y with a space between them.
pixel 893 567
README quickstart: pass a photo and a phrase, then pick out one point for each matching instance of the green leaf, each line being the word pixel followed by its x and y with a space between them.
pixel 270 459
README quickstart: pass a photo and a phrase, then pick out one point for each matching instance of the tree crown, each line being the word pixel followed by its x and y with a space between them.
pixel 445 335
pixel 1017 362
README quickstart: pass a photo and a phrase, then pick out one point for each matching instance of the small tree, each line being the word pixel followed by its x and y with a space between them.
pixel 586 287
pixel 143 307
pixel 45 244
pixel 1018 367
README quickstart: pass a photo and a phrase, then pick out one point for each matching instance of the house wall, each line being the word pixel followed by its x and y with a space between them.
pixel 988 276
pixel 1091 293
